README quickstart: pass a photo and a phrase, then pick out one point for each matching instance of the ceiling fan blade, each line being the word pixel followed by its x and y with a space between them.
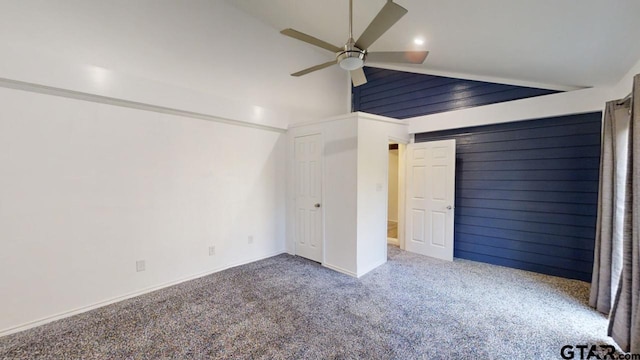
pixel 310 40
pixel 358 77
pixel 410 57
pixel 389 15
pixel 314 68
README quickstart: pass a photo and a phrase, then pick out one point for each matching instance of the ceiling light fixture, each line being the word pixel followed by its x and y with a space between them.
pixel 351 63
pixel 418 41
pixel 351 58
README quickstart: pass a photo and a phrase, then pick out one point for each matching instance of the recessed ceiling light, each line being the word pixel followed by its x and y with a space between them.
pixel 418 41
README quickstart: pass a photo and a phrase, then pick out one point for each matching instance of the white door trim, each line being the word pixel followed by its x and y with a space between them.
pixel 401 187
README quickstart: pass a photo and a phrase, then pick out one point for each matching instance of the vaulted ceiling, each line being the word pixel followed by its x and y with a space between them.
pixel 550 43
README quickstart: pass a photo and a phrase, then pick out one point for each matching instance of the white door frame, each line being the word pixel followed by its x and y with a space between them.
pixel 402 193
pixel 401 187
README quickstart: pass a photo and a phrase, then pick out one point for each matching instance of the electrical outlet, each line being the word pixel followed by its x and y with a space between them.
pixel 212 250
pixel 250 239
pixel 140 266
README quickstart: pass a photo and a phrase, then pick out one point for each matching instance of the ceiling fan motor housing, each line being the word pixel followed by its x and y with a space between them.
pixel 351 57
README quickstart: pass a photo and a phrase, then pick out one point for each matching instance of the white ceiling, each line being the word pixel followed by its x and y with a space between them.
pixel 550 43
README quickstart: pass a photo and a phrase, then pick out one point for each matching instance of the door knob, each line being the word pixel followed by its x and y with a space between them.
pixel 317 205
pixel 449 207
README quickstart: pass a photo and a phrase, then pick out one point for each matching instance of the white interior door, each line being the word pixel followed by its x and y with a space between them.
pixel 430 198
pixel 308 185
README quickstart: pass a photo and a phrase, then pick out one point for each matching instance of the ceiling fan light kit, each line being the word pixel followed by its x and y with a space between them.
pixel 354 54
pixel 351 58
pixel 351 61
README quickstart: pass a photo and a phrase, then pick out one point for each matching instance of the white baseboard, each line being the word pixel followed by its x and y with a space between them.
pixel 257 258
pixel 80 310
pixel 340 270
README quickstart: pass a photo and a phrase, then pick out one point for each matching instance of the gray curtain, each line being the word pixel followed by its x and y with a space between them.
pixel 624 320
pixel 607 263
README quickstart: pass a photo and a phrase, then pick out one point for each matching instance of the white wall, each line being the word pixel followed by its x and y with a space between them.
pixel 624 86
pixel 105 158
pixel 87 189
pixel 392 203
pixel 374 133
pixel 203 56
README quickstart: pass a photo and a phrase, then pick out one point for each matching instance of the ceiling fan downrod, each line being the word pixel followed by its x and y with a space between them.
pixel 351 57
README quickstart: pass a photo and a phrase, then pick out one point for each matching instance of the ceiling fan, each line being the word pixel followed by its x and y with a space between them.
pixel 353 54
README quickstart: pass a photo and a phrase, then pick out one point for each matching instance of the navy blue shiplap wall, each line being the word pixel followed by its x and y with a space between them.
pixel 402 95
pixel 527 192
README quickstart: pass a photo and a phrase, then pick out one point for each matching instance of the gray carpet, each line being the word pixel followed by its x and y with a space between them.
pixel 286 307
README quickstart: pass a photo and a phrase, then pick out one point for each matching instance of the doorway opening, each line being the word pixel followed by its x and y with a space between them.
pixel 393 201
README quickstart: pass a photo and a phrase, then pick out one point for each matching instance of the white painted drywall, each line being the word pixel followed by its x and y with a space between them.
pixel 374 134
pixel 87 189
pixel 392 206
pixel 202 56
pixel 401 193
pixel 624 86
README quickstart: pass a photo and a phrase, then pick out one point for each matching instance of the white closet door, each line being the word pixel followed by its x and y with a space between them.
pixel 308 183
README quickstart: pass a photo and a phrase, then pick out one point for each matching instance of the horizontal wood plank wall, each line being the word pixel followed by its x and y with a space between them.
pixel 402 95
pixel 527 193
